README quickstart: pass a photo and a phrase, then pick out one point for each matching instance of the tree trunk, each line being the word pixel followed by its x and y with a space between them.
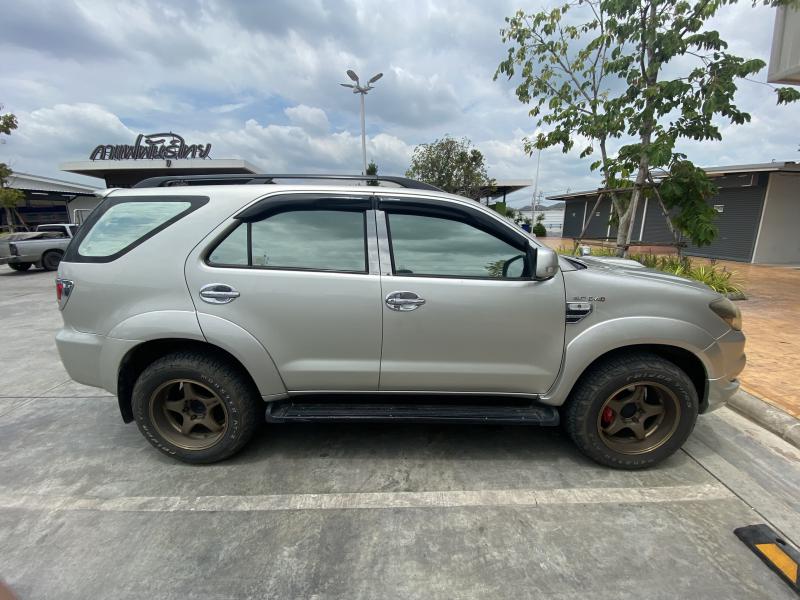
pixel 649 78
pixel 9 220
pixel 625 231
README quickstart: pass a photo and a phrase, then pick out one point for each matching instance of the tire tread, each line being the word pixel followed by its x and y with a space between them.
pixel 579 416
pixel 237 385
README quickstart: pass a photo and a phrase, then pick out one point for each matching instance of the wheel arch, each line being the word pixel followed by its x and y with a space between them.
pixel 682 358
pixel 138 358
pixel 687 346
pixel 57 251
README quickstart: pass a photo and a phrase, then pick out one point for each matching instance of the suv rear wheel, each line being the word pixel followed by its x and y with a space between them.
pixel 20 266
pixel 195 407
pixel 632 411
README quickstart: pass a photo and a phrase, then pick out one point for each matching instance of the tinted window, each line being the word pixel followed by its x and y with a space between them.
pixel 232 250
pixel 125 223
pixel 327 240
pixel 423 245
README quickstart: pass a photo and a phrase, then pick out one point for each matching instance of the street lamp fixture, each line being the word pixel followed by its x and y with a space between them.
pixel 362 90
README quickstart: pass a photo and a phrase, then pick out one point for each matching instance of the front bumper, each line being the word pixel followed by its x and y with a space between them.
pixel 732 360
pixel 718 392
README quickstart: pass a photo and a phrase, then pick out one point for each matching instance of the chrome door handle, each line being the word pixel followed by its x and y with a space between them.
pixel 404 301
pixel 218 293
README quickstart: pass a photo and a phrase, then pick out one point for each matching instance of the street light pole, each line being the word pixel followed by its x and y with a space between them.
pixel 362 90
pixel 535 186
pixel 363 135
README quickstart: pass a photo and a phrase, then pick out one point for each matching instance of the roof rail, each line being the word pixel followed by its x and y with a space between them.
pixel 234 179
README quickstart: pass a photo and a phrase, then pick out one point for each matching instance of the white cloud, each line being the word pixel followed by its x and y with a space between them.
pixel 309 118
pixel 260 80
pixel 48 136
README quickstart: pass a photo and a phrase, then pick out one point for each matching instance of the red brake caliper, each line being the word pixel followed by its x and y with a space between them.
pixel 607 417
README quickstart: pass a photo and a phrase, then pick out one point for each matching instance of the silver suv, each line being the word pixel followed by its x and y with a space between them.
pixel 207 305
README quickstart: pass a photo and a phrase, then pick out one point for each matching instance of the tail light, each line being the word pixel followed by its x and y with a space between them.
pixel 12 248
pixel 63 290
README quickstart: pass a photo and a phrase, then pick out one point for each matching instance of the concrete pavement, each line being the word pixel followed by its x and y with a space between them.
pixel 89 510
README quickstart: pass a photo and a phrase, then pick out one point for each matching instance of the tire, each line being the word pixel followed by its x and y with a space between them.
pixel 50 260
pixel 612 414
pixel 24 266
pixel 167 399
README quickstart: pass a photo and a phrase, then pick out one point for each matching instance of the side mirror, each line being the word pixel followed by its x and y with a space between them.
pixel 546 262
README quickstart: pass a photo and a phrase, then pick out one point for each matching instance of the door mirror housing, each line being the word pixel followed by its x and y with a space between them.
pixel 546 261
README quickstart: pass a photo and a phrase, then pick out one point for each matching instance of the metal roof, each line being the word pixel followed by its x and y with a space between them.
pixel 102 168
pixel 39 183
pixel 503 187
pixel 775 166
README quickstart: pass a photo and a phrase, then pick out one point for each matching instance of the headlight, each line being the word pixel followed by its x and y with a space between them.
pixel 728 312
pixel 12 248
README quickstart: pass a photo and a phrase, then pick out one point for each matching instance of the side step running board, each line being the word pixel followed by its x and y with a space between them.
pixel 528 414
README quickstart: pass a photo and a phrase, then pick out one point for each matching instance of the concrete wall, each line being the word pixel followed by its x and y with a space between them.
pixel 779 236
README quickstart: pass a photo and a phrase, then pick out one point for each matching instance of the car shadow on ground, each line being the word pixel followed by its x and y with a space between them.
pixel 410 441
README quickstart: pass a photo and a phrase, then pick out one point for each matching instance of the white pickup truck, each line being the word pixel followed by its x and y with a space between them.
pixel 42 247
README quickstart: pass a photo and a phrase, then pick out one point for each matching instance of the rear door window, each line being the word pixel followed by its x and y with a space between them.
pixel 318 240
pixel 120 224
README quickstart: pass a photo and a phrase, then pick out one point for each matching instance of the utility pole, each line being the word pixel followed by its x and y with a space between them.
pixel 363 90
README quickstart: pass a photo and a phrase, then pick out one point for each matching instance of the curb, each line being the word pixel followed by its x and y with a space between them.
pixel 770 418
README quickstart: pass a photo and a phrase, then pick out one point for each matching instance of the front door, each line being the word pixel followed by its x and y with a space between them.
pixel 304 287
pixel 460 312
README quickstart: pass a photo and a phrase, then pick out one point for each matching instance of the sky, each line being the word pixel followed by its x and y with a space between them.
pixel 260 81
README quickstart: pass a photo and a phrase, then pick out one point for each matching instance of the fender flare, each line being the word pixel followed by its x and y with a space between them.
pixel 614 334
pixel 247 350
pixel 181 324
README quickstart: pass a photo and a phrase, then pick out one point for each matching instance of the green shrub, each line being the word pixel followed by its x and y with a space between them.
pixel 539 230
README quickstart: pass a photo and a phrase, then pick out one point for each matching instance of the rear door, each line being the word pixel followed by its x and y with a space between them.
pixel 299 272
pixel 460 312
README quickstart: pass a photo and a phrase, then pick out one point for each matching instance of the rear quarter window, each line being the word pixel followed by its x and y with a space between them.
pixel 120 224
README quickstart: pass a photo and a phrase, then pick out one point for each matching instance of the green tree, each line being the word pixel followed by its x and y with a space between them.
pixel 452 165
pixel 539 228
pixel 372 169
pixel 648 72
pixel 9 198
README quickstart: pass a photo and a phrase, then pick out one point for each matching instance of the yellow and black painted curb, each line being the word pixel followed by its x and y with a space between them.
pixel 774 551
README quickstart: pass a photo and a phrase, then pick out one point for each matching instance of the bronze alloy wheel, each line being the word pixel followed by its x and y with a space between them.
pixel 638 418
pixel 188 414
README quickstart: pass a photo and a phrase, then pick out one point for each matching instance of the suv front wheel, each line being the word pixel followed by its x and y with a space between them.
pixel 195 407
pixel 631 411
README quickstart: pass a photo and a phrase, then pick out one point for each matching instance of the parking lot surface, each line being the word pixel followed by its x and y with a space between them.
pixel 88 509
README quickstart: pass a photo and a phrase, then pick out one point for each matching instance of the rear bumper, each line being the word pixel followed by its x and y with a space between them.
pixel 31 258
pixel 92 359
pixel 6 260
